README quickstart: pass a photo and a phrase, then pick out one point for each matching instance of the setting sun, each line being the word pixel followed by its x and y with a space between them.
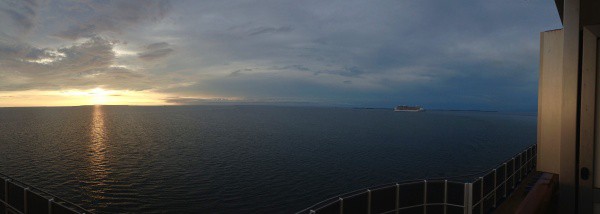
pixel 77 97
pixel 99 96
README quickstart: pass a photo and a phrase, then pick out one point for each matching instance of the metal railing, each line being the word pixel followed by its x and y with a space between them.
pixel 17 197
pixel 480 196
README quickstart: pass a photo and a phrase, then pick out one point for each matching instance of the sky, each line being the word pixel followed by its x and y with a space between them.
pixel 460 54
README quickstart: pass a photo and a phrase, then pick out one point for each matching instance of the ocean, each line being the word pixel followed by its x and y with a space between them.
pixel 243 159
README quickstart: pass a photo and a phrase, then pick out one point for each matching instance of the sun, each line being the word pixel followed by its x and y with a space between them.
pixel 99 96
pixel 102 96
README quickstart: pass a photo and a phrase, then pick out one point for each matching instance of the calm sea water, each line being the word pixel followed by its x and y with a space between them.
pixel 243 159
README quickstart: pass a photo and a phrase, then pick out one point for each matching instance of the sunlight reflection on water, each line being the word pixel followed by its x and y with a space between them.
pixel 98 162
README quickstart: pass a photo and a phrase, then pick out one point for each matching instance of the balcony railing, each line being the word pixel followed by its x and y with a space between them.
pixel 17 197
pixel 482 195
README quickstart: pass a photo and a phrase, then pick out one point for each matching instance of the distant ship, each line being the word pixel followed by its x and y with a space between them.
pixel 409 108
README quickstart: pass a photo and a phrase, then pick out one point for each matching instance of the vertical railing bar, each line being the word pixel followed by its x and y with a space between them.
pixel 468 200
pixel 6 193
pixel 25 210
pixel 50 205
pixel 341 205
pixel 481 196
pixel 494 189
pixel 520 168
pixel 397 198
pixel 526 162
pixel 445 195
pixel 368 201
pixel 525 168
pixel 512 185
pixel 425 197
pixel 504 180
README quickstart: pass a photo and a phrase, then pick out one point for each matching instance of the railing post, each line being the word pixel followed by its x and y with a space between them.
pixel 468 198
pixel 514 174
pixel 445 195
pixel 504 180
pixel 495 188
pixel 368 201
pixel 481 196
pixel 341 205
pixel 52 200
pixel 25 210
pixel 397 197
pixel 425 197
pixel 6 195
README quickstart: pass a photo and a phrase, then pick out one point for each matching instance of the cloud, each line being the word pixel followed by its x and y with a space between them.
pixel 22 13
pixel 267 30
pixel 476 53
pixel 198 101
pixel 83 65
pixel 158 45
pixel 95 17
pixel 429 52
pixel 347 72
pixel 239 72
pixel 155 51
